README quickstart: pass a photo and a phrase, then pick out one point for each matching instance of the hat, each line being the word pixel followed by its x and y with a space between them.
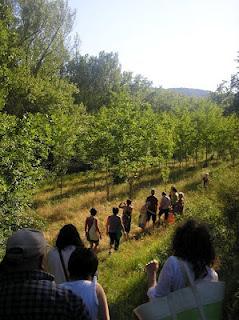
pixel 25 243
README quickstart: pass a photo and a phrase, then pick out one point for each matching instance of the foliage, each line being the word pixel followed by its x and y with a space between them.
pixel 22 149
pixel 16 221
pixel 8 52
pixel 96 78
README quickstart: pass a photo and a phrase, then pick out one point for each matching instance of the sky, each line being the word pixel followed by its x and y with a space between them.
pixel 173 43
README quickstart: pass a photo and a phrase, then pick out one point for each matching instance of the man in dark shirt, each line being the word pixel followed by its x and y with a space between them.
pixel 152 203
pixel 26 291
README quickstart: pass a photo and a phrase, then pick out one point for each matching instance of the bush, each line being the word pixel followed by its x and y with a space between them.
pixel 13 222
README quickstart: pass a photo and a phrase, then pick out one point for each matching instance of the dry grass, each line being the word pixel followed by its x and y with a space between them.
pixel 79 195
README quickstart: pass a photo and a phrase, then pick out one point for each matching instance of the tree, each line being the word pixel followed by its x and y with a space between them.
pixel 8 52
pixel 23 147
pixel 43 27
pixel 65 126
pixel 126 137
pixel 96 78
pixel 207 120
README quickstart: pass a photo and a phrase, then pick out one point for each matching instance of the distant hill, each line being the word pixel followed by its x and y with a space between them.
pixel 191 92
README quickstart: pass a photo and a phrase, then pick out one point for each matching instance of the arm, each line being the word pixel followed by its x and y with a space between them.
pixel 151 269
pixel 122 205
pixel 122 226
pixel 86 225
pixel 103 304
pixel 166 281
pixel 107 226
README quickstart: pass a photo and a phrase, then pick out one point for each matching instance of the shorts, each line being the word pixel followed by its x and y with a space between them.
pixel 165 212
pixel 149 215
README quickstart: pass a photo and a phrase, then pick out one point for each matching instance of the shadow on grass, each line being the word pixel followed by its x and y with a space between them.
pixel 152 178
pixel 123 307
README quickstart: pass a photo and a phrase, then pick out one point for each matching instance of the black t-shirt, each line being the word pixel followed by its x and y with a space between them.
pixel 153 203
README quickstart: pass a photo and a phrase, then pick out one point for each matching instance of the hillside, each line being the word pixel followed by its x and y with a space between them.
pixel 122 274
pixel 198 93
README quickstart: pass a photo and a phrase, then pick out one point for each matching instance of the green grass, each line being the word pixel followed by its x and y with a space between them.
pixel 122 274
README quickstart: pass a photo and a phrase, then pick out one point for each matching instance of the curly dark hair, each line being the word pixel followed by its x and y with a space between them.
pixel 192 242
pixel 67 236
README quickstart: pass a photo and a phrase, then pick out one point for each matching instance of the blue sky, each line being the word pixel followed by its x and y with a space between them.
pixel 174 43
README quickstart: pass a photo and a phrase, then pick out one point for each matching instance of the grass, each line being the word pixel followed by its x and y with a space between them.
pixel 122 274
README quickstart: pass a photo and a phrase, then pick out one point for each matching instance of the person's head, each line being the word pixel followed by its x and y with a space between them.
pixel 181 195
pixel 25 251
pixel 164 194
pixel 115 211
pixel 192 242
pixel 128 202
pixel 67 236
pixel 83 264
pixel 152 192
pixel 93 211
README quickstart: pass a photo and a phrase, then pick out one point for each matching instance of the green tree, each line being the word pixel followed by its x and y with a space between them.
pixel 43 27
pixel 8 52
pixel 23 147
pixel 96 78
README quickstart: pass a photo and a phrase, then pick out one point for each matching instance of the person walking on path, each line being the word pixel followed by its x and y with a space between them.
pixel 180 203
pixel 126 216
pixel 192 244
pixel 164 207
pixel 143 216
pixel 152 207
pixel 205 180
pixel 57 260
pixel 27 291
pixel 83 264
pixel 92 231
pixel 174 197
pixel 114 228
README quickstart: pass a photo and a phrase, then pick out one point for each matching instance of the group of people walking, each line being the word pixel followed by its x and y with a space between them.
pixel 116 226
pixel 61 283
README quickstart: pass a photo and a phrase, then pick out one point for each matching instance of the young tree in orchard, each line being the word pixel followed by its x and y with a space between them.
pixel 122 137
pixel 208 117
pixel 184 135
pixel 66 126
pixel 228 142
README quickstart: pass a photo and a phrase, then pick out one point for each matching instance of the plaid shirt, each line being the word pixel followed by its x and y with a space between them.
pixel 33 295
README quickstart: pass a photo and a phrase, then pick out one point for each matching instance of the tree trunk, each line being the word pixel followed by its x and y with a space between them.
pixel 130 189
pixel 61 185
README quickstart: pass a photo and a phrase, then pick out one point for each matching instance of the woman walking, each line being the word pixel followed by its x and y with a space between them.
pixel 114 228
pixel 126 216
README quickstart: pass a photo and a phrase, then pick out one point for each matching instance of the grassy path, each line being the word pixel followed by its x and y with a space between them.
pixel 122 274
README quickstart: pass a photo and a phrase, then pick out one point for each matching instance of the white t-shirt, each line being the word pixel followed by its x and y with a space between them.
pixel 171 278
pixel 54 264
pixel 87 291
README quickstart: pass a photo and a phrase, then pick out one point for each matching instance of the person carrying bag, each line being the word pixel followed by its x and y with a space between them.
pixel 188 286
pixel 198 301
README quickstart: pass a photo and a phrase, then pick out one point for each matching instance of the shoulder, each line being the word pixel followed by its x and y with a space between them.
pixel 99 289
pixel 212 274
pixel 52 253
